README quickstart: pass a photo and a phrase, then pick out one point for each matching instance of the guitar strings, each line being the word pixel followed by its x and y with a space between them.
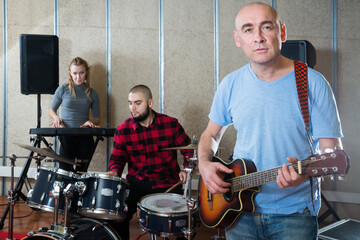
pixel 255 179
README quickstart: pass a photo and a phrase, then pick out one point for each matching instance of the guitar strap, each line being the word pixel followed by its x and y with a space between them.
pixel 301 76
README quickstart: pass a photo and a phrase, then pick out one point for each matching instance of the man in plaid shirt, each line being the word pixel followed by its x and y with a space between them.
pixel 139 142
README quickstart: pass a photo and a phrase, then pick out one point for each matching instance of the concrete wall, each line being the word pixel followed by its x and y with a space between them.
pixel 188 62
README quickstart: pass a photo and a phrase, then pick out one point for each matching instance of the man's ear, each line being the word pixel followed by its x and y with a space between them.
pixel 150 102
pixel 236 36
pixel 283 32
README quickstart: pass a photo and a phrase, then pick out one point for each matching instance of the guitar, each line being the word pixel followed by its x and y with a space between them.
pixel 221 210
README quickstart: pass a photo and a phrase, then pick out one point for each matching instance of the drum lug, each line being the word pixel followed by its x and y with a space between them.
pixel 93 202
pixel 95 184
pixel 42 197
pixel 170 225
pixel 79 203
pixel 117 205
pixel 30 193
pixel 147 221
pixel 118 188
pixel 49 178
pixel 125 209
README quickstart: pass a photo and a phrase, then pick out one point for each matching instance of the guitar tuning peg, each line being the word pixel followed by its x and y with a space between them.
pixel 338 148
pixel 341 177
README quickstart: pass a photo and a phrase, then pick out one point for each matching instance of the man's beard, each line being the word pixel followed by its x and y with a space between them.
pixel 143 116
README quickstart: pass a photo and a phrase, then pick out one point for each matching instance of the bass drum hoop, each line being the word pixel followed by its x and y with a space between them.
pixel 55 235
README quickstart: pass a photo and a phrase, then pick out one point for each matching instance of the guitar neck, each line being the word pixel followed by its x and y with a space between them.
pixel 256 179
pixel 315 166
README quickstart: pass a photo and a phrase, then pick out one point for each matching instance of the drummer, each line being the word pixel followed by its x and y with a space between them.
pixel 139 141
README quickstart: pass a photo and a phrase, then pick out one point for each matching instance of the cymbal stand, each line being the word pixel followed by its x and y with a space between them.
pixel 11 198
pixel 218 236
pixel 21 180
pixel 190 201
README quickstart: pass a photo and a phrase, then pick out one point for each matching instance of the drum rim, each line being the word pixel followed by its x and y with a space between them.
pixel 108 227
pixel 50 233
pixel 103 176
pixel 99 212
pixel 46 168
pixel 43 207
pixel 162 213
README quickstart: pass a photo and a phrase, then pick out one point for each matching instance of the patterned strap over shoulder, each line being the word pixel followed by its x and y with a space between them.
pixel 301 72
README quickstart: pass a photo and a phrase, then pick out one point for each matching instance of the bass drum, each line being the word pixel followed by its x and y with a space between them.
pixel 80 229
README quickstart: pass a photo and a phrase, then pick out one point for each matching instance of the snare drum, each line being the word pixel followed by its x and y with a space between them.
pixel 165 214
pixel 79 229
pixel 40 196
pixel 104 197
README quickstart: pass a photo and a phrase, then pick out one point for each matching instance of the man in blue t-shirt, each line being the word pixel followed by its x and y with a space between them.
pixel 260 100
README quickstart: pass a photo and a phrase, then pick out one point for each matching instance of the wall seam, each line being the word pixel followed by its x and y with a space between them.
pixel 108 77
pixel 4 148
pixel 161 56
pixel 216 45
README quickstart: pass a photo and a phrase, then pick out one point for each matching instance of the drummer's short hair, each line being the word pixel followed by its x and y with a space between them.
pixel 143 89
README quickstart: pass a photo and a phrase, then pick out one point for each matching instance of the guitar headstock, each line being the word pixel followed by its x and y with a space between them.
pixel 336 162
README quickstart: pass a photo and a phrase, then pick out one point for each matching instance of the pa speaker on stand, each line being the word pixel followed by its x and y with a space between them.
pixel 39 63
pixel 300 50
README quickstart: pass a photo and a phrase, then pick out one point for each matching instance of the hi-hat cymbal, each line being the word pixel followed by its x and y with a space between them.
pixel 48 153
pixel 190 146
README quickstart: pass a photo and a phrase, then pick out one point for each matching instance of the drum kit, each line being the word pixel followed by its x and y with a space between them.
pixel 88 200
pixel 85 200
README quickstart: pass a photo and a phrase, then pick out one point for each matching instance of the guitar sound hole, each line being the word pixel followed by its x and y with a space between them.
pixel 230 194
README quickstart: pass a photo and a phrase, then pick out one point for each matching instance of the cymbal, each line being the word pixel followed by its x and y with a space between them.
pixel 48 153
pixel 190 146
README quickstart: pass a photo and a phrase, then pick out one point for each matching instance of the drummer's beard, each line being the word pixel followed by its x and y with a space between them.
pixel 142 116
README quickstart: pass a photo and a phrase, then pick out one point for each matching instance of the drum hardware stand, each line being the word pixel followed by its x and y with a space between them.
pixel 218 236
pixel 56 195
pixel 69 193
pixel 17 191
pixel 190 201
pixel 11 198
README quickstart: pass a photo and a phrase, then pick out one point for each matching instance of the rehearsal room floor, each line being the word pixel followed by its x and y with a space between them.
pixel 27 220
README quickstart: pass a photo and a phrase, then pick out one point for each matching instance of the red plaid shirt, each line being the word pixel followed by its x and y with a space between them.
pixel 141 147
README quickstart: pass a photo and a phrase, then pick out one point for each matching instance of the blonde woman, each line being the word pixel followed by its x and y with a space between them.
pixel 76 99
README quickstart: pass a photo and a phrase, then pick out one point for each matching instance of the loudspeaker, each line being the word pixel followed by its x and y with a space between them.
pixel 39 63
pixel 300 50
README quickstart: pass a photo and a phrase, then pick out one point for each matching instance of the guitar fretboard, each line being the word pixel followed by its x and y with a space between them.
pixel 259 178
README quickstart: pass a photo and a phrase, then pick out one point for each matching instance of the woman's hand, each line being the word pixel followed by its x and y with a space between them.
pixel 57 123
pixel 89 124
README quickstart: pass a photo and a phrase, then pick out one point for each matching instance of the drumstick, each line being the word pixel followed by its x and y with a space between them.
pixel 177 184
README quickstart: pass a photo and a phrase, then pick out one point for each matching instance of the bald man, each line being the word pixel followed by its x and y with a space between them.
pixel 260 100
pixel 139 143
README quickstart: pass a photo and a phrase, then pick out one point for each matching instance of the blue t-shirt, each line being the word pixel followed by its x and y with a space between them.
pixel 75 111
pixel 270 127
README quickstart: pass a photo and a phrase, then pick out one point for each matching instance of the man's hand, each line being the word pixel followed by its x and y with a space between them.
pixel 183 176
pixel 112 173
pixel 287 176
pixel 209 174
